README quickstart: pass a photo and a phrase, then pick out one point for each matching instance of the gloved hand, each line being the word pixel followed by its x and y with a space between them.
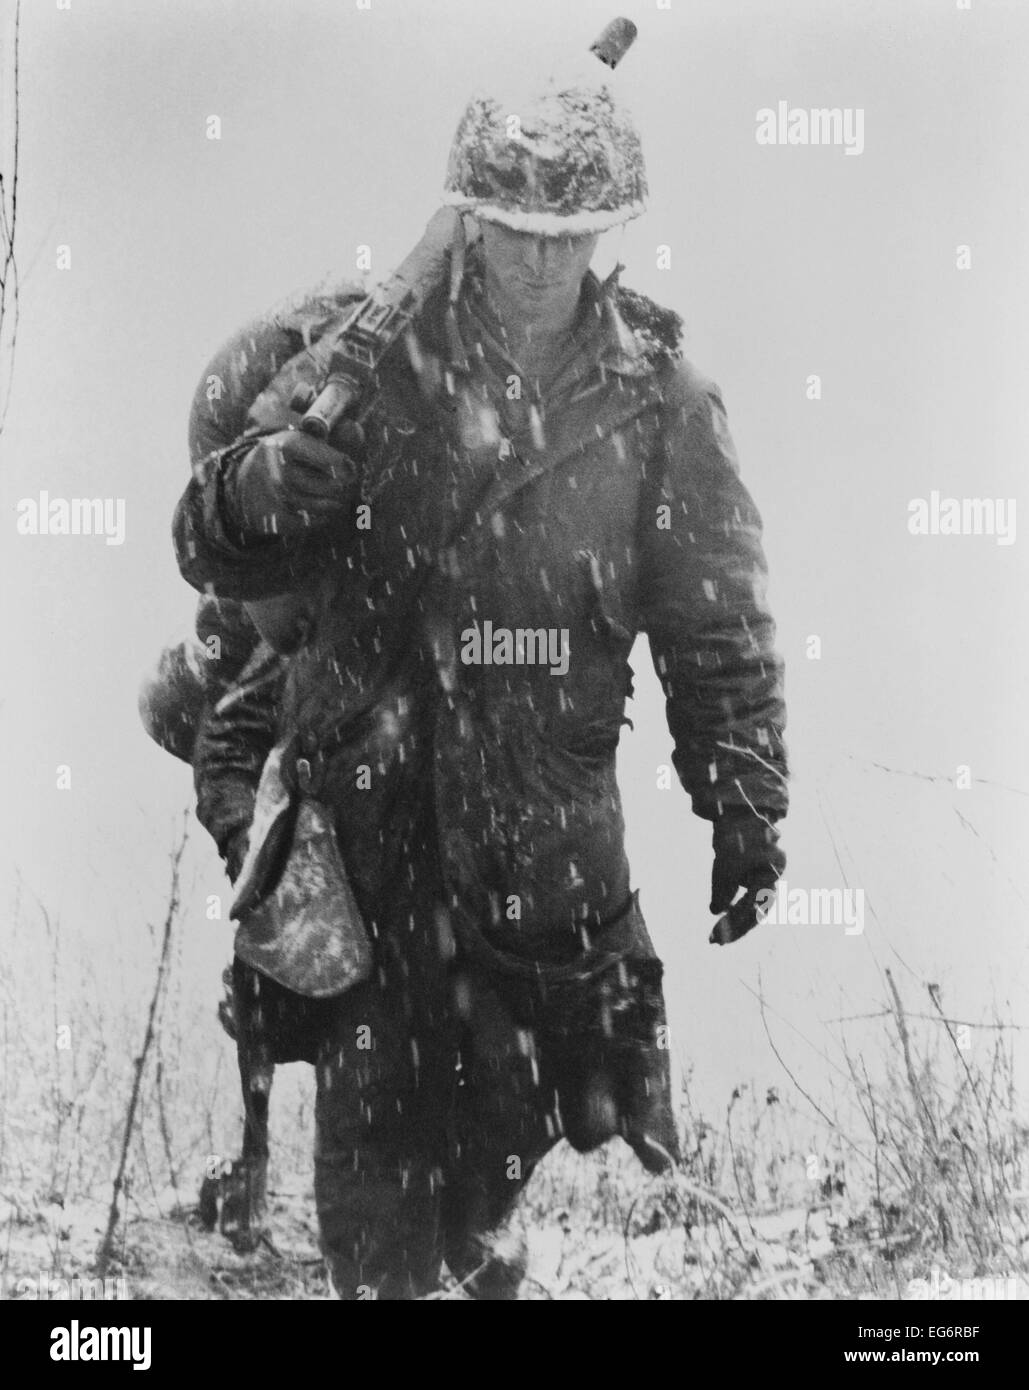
pixel 747 856
pixel 288 483
pixel 233 850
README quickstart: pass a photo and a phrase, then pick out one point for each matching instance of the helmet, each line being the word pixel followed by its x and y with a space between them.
pixel 567 162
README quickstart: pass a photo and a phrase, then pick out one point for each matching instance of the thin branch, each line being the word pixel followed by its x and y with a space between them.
pixel 929 1127
pixel 735 1167
pixel 871 906
pixel 759 993
pixel 936 777
pixel 934 995
pixel 932 1018
pixel 104 1252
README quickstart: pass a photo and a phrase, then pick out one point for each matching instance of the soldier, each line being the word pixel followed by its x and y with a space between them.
pixel 542 478
pixel 213 701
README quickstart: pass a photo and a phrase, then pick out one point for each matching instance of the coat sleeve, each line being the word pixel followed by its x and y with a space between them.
pixel 704 609
pixel 238 727
pixel 212 554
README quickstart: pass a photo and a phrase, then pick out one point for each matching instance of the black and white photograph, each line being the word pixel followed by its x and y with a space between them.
pixel 514 618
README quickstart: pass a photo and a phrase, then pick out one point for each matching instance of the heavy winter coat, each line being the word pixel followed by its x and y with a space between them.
pixel 477 798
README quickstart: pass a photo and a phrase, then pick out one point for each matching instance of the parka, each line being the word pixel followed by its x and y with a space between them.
pixel 493 528
pixel 454 696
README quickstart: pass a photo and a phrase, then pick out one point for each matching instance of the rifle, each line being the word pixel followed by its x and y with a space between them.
pixel 355 347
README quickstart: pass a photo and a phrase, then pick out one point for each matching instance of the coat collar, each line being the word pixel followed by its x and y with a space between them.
pixel 601 341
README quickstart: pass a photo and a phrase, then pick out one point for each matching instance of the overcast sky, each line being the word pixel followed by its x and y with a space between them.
pixel 785 262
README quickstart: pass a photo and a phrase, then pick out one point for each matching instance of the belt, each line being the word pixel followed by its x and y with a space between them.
pixel 611 944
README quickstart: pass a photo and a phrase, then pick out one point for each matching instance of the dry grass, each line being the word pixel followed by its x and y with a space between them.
pixel 925 1168
pixel 921 1161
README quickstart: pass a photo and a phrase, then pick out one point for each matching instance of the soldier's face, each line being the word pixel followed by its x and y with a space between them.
pixel 536 269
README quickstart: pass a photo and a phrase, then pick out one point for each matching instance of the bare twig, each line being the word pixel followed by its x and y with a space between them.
pixel 104 1253
pixel 880 1212
pixel 936 777
pixel 759 994
pixel 931 1018
pixel 735 1169
pixel 934 995
pixel 928 1124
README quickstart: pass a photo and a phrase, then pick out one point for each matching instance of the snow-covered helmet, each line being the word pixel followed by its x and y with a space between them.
pixel 565 162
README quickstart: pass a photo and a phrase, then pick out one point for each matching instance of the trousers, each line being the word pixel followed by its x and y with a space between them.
pixel 430 1122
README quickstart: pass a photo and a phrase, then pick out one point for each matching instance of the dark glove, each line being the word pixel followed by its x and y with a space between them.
pixel 288 483
pixel 233 850
pixel 747 856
